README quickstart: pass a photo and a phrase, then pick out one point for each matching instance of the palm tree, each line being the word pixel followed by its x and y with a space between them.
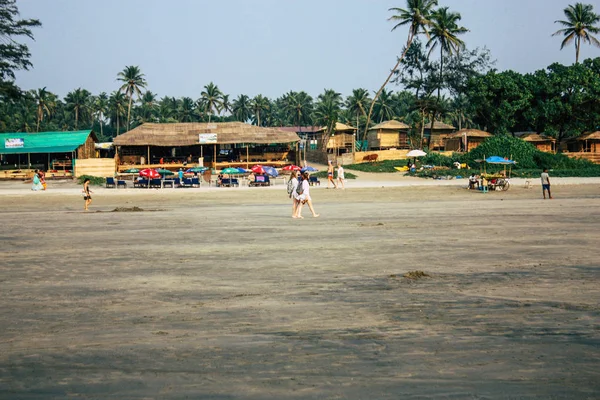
pixel 100 108
pixel 259 104
pixel 116 105
pixel 210 99
pixel 77 102
pixel 384 107
pixel 241 108
pixel 416 16
pixel 580 24
pixel 185 111
pixel 225 104
pixel 168 109
pixel 298 106
pixel 133 83
pixel 444 33
pixel 326 113
pixel 357 103
pixel 45 105
pixel 148 107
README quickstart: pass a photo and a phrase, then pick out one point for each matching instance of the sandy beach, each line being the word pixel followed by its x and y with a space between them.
pixel 217 293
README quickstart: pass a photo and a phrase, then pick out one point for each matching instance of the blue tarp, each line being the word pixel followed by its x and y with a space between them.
pixel 499 160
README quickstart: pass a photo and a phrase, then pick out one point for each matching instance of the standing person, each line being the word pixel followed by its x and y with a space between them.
pixel 87 193
pixel 330 175
pixel 545 183
pixel 341 177
pixel 42 176
pixel 303 196
pixel 291 189
pixel 37 184
pixel 180 175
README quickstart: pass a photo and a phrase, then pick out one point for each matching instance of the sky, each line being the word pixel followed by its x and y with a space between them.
pixel 267 47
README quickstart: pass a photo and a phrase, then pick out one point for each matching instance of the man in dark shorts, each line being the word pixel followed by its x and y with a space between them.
pixel 546 184
pixel 330 175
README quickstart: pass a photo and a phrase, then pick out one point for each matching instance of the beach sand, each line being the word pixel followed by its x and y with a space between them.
pixel 217 293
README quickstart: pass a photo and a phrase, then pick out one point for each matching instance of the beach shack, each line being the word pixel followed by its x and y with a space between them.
pixel 58 153
pixel 216 145
pixel 466 140
pixel 341 140
pixel 388 135
pixel 540 141
pixel 586 146
pixel 436 138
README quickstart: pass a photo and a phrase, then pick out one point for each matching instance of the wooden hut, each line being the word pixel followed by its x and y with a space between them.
pixel 436 138
pixel 388 134
pixel 341 139
pixel 540 141
pixel 466 140
pixel 215 144
pixel 585 146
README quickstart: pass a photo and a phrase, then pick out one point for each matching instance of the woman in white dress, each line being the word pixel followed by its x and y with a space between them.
pixel 293 194
pixel 304 197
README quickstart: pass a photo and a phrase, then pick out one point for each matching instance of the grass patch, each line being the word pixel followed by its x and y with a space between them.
pixel 323 175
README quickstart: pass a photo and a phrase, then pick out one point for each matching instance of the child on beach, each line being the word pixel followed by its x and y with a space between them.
pixel 87 193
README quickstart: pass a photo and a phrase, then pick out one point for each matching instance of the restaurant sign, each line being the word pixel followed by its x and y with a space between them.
pixel 14 143
pixel 207 138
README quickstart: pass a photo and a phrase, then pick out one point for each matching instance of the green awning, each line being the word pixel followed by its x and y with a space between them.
pixel 42 142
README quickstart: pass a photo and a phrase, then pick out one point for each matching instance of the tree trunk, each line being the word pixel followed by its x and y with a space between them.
pixel 422 128
pixel 129 109
pixel 577 43
pixel 408 43
pixel 100 121
pixel 441 72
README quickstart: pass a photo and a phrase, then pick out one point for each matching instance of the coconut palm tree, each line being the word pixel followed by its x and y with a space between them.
pixel 357 103
pixel 444 34
pixel 77 102
pixel 100 108
pixel 133 83
pixel 45 105
pixel 210 99
pixel 580 24
pixel 225 104
pixel 185 111
pixel 168 109
pixel 148 108
pixel 259 105
pixel 117 105
pixel 416 15
pixel 384 109
pixel 241 108
pixel 298 106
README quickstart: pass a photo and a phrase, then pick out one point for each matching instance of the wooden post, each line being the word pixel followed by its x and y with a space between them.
pixel 247 155
pixel 215 157
pixel 148 160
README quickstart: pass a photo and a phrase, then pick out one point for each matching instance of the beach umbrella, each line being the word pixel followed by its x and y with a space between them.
pixel 291 167
pixel 271 171
pixel 258 169
pixel 309 169
pixel 149 173
pixel 416 153
pixel 242 170
pixel 163 171
pixel 132 171
pixel 196 170
pixel 230 171
pixel 499 160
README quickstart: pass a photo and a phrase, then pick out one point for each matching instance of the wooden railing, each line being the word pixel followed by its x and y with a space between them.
pixel 593 157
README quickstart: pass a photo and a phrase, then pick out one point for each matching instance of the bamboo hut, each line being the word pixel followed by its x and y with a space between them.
pixel 466 140
pixel 388 134
pixel 436 138
pixel 341 140
pixel 540 141
pixel 214 144
pixel 585 146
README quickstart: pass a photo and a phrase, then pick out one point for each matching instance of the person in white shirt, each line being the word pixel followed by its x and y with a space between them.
pixel 340 176
pixel 304 197
pixel 545 183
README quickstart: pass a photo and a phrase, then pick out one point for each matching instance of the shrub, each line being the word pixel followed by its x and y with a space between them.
pixel 94 180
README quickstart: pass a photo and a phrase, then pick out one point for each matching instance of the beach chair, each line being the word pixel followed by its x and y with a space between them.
pixel 121 183
pixel 187 182
pixel 176 182
pixel 155 183
pixel 313 180
pixel 195 182
pixel 141 183
pixel 110 182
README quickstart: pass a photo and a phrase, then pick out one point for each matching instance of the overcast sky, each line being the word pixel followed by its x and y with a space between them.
pixel 264 47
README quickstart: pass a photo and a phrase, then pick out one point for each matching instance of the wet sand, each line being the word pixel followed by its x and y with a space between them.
pixel 219 294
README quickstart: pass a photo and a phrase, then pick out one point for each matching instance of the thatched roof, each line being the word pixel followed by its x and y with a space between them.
pixel 186 134
pixel 534 137
pixel 439 125
pixel 473 133
pixel 339 127
pixel 390 125
pixel 589 136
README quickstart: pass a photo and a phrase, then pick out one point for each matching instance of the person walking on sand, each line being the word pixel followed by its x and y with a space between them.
pixel 292 186
pixel 341 177
pixel 304 196
pixel 545 183
pixel 87 194
pixel 330 175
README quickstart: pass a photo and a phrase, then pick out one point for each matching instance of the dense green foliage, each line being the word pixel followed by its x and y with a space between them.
pixel 323 175
pixel 94 180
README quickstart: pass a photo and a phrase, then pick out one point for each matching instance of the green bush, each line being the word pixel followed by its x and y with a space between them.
pixel 505 146
pixel 94 180
pixel 323 175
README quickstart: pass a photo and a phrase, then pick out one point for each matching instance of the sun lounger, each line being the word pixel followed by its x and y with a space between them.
pixel 110 182
pixel 141 183
pixel 121 183
pixel 155 183
pixel 195 182
pixel 313 180
pixel 260 180
pixel 228 182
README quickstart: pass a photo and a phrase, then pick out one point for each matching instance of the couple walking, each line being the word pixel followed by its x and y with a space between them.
pixel 299 192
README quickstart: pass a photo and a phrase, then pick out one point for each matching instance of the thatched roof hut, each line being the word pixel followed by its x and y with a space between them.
pixel 388 134
pixel 188 134
pixel 340 128
pixel 437 137
pixel 466 139
pixel 392 125
pixel 589 136
pixel 540 141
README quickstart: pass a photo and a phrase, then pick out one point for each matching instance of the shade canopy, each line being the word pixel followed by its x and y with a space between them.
pixel 416 153
pixel 192 133
pixel 499 160
pixel 43 142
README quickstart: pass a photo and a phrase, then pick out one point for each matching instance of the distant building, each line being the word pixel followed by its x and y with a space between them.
pixel 387 135
pixel 540 141
pixel 436 139
pixel 465 140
